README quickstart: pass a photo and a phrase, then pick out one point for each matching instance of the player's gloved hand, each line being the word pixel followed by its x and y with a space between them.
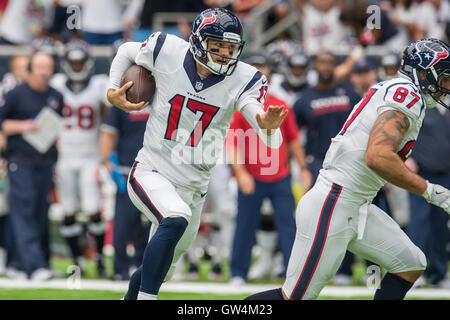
pixel 438 195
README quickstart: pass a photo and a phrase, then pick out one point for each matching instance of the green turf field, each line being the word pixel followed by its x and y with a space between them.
pixel 12 293
pixel 58 294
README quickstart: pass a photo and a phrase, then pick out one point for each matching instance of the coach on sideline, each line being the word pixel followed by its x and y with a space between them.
pixel 30 172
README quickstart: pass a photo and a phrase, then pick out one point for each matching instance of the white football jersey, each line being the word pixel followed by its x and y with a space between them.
pixel 344 162
pixel 190 116
pixel 82 116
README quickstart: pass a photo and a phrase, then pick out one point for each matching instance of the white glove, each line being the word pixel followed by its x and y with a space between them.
pixel 438 195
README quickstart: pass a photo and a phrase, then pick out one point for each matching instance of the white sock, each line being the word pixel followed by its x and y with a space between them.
pixel 146 296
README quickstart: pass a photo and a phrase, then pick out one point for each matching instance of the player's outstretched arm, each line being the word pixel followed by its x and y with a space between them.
pixel 266 124
pixel 381 155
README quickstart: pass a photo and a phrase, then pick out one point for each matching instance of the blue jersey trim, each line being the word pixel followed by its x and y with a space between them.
pixel 198 84
pixel 159 43
pixel 252 82
pixel 387 89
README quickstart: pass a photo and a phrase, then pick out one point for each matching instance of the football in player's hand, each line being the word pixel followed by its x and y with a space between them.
pixel 143 86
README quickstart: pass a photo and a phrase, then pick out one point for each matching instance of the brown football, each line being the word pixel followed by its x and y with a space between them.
pixel 144 85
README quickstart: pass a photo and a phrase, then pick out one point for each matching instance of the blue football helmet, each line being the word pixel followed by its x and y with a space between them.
pixel 78 63
pixel 221 25
pixel 431 56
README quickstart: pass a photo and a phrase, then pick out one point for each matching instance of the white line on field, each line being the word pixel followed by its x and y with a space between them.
pixel 209 287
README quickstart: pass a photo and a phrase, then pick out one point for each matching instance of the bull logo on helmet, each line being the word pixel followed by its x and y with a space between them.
pixel 431 57
pixel 207 20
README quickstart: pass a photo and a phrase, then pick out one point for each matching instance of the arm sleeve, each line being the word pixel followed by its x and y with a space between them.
pixel 249 111
pixel 124 58
pixel 254 92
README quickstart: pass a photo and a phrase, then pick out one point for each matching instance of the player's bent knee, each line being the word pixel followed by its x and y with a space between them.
pixel 415 265
pixel 172 228
pixel 422 260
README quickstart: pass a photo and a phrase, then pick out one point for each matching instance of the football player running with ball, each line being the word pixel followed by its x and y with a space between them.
pixel 199 85
pixel 337 215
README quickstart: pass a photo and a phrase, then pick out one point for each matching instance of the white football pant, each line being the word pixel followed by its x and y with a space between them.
pixel 156 197
pixel 331 219
pixel 78 185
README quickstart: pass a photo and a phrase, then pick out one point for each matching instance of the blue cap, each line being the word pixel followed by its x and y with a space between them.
pixel 363 64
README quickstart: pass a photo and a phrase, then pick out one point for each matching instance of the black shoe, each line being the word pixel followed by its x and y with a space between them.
pixel 101 270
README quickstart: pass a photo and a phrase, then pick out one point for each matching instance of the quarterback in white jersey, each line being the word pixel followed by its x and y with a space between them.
pixel 337 215
pixel 77 168
pixel 199 85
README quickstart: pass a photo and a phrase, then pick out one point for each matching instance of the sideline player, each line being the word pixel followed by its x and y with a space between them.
pixel 337 214
pixel 79 157
pixel 200 84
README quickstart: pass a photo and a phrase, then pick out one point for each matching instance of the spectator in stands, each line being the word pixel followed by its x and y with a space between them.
pixel 389 66
pixel 193 6
pixel 63 27
pixel 428 225
pixel 321 27
pixel 105 21
pixel 23 20
pixel 322 109
pixel 354 14
pixel 30 172
pixel 434 20
pixel 404 13
pixel 262 172
pixel 243 7
pixel 122 134
pixel 3 5
pixel 364 75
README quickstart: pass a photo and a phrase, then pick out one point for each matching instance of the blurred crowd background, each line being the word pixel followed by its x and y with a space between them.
pixel 321 57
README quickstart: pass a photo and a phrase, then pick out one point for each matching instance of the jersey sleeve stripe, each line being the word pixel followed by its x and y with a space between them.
pixel 158 46
pixel 392 85
pixel 252 82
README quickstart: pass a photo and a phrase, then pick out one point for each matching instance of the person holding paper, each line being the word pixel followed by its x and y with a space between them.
pixel 30 171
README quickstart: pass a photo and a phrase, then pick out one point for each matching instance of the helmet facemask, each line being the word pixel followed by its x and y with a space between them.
pixel 206 52
pixel 436 88
pixel 78 66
